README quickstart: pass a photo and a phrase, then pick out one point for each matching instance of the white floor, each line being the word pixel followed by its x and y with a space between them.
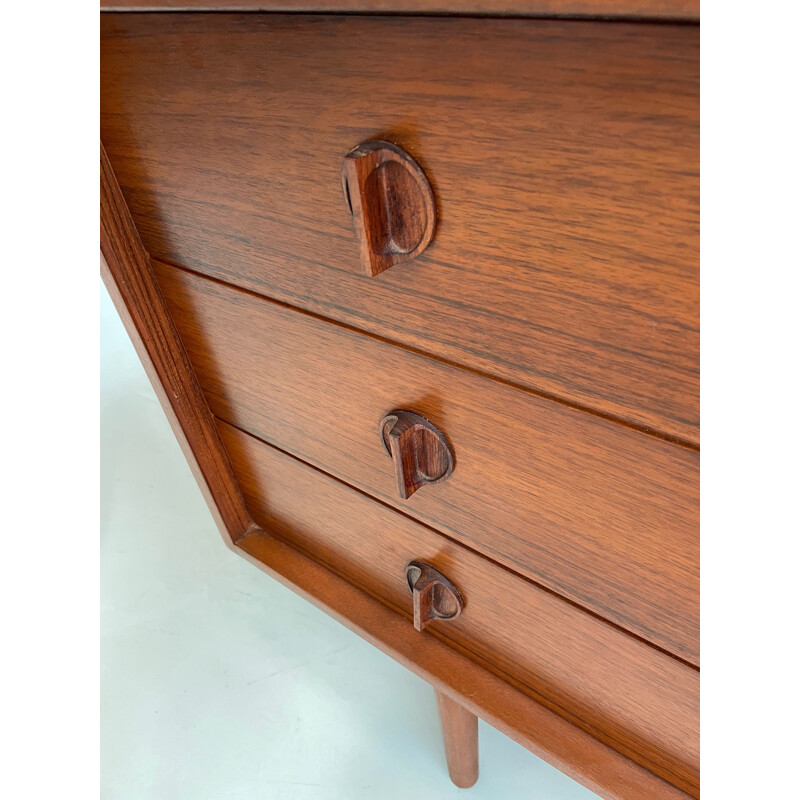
pixel 220 683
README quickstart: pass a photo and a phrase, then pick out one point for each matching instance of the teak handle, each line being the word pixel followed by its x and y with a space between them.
pixel 391 200
pixel 419 449
pixel 433 595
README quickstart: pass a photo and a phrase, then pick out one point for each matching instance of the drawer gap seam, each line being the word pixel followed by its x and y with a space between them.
pixel 535 694
pixel 469 548
pixel 656 434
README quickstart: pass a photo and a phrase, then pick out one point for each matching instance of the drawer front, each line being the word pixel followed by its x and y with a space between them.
pixel 640 701
pixel 563 156
pixel 602 514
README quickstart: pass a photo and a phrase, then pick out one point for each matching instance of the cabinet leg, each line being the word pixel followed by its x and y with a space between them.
pixel 460 732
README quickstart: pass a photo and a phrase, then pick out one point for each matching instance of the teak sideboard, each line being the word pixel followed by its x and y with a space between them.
pixel 417 285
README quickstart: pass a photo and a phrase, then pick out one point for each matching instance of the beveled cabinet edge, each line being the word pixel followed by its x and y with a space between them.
pixel 126 271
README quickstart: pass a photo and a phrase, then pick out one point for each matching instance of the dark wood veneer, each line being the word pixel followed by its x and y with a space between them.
pixel 419 450
pixel 599 513
pixel 559 742
pixel 529 232
pixel 642 702
pixel 434 598
pixel 563 156
pixel 144 314
pixel 392 203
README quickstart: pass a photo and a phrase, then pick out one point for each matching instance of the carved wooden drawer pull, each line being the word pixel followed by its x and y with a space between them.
pixel 392 204
pixel 434 596
pixel 419 449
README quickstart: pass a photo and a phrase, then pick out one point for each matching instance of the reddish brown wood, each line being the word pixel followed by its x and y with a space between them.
pixel 433 596
pixel 127 274
pixel 420 451
pixel 394 213
pixel 596 765
pixel 636 699
pixel 563 156
pixel 514 712
pixel 594 511
pixel 649 9
pixel 460 733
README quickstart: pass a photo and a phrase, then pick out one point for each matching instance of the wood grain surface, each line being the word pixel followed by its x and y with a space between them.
pixel 434 598
pixel 460 733
pixel 130 282
pixel 652 9
pixel 642 702
pixel 420 451
pixel 563 156
pixel 391 202
pixel 569 748
pixel 595 511
pixel 126 271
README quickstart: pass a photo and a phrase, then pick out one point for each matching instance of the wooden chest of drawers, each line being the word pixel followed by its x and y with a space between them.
pixel 530 196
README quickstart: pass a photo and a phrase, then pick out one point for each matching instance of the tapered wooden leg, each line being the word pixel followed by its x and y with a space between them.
pixel 460 732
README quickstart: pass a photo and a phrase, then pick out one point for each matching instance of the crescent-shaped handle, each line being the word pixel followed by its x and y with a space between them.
pixel 420 451
pixel 433 596
pixel 392 203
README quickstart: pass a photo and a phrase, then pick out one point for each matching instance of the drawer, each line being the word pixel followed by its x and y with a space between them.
pixel 602 514
pixel 563 156
pixel 568 660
